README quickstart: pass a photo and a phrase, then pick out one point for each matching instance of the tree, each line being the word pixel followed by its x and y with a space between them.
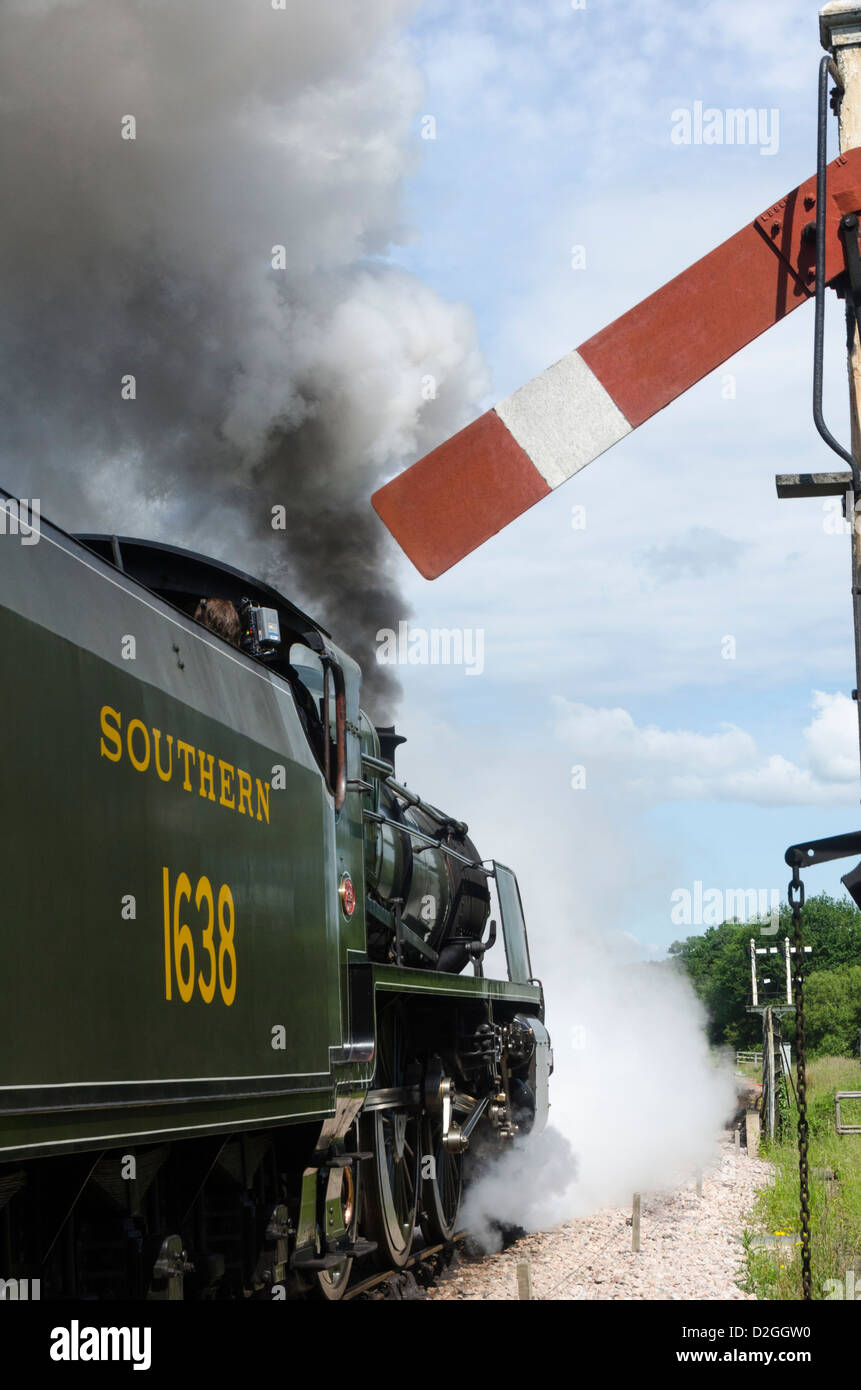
pixel 718 965
pixel 832 1011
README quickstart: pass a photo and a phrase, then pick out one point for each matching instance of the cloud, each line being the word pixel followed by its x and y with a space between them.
pixel 658 765
pixel 832 738
pixel 702 549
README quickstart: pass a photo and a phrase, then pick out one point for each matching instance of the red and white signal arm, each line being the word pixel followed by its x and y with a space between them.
pixel 489 473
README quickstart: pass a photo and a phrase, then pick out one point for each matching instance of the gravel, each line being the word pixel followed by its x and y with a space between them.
pixel 690 1247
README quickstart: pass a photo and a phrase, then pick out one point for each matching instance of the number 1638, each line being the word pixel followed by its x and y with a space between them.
pixel 217 959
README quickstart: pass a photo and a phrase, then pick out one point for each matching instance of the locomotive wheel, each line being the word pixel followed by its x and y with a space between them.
pixel 393 1136
pixel 332 1283
pixel 392 1204
pixel 442 1191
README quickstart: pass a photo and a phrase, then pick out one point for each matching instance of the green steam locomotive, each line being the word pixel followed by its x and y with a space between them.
pixel 247 1035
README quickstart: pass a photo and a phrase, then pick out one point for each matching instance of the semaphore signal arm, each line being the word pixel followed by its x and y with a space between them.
pixel 482 478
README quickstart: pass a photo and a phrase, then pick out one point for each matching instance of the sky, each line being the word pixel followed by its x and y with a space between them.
pixel 605 632
pixel 659 694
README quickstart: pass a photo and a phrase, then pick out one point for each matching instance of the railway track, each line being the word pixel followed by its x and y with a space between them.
pixel 422 1269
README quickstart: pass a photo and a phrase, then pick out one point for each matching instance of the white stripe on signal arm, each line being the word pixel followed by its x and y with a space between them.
pixel 563 419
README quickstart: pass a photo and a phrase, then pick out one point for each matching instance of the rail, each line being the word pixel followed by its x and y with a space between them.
pixel 431 1260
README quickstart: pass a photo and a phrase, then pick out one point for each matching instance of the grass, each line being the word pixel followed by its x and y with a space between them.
pixel 835 1208
pixel 752 1070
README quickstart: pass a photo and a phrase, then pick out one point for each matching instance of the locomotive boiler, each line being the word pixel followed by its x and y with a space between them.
pixel 255 1011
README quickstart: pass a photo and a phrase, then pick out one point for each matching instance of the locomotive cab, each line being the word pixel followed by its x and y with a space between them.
pixel 427 896
pixel 273 628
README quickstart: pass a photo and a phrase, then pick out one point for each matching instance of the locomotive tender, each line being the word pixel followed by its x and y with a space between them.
pixel 246 1035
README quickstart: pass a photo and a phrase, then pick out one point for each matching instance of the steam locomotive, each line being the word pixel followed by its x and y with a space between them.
pixel 247 1033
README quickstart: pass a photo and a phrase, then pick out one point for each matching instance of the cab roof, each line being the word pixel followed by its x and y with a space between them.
pixel 176 574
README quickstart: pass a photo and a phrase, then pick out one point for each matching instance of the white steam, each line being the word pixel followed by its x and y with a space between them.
pixel 637 1091
pixel 636 1102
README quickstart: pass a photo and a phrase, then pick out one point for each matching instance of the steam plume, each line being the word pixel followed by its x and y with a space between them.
pixel 256 386
pixel 636 1100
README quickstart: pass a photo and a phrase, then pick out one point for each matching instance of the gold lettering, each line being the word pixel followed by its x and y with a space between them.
pixel 141 764
pixel 185 749
pixel 111 733
pixel 143 745
pixel 227 771
pixel 244 792
pixel 206 774
pixel 156 740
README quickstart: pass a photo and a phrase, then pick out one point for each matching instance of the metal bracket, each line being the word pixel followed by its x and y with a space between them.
pixel 823 851
pixel 457 1138
pixel 849 227
pixel 849 234
pixel 170 1267
pixel 476 950
pixel 813 484
pixel 841 1127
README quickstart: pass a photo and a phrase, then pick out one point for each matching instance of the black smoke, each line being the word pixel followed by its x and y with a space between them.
pixel 262 379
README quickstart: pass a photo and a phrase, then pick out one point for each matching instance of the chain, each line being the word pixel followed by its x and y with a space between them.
pixel 796 901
